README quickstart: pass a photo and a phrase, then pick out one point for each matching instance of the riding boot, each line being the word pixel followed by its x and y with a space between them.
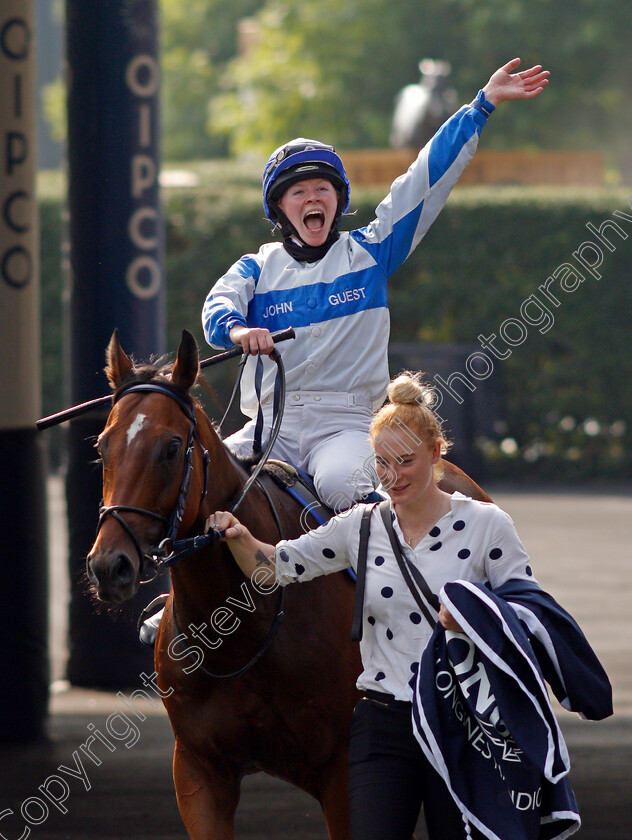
pixel 148 624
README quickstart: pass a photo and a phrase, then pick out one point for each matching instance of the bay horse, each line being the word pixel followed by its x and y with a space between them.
pixel 253 679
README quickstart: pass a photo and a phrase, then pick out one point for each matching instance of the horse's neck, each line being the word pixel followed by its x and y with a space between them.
pixel 204 583
pixel 227 479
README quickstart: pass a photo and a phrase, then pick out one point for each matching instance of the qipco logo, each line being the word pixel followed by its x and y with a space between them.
pixel 16 261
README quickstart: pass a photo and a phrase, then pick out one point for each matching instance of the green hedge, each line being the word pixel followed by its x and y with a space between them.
pixel 563 403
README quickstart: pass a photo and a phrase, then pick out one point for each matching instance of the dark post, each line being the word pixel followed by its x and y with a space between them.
pixel 23 559
pixel 117 279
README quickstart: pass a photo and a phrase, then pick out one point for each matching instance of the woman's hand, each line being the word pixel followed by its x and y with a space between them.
pixel 447 621
pixel 504 85
pixel 249 552
pixel 223 520
pixel 253 340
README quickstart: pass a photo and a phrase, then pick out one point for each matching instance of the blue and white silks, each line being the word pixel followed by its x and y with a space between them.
pixel 482 715
pixel 338 305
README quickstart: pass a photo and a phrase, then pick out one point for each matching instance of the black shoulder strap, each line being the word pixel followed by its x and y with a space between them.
pixel 408 570
pixel 365 530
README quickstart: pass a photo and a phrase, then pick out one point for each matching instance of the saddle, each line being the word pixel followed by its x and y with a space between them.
pixel 300 486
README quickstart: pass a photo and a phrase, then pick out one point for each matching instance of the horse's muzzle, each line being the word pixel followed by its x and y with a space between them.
pixel 114 577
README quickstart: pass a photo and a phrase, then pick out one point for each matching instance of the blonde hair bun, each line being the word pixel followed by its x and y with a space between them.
pixel 410 405
pixel 408 389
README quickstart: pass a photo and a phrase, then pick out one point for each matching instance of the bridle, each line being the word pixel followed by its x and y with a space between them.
pixel 157 559
pixel 152 561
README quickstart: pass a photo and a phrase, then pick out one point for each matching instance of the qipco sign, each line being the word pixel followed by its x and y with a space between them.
pixel 17 222
pixel 116 227
pixel 19 282
pixel 144 272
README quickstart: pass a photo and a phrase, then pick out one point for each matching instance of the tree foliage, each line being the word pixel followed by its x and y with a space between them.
pixel 198 37
pixel 332 68
pixel 322 69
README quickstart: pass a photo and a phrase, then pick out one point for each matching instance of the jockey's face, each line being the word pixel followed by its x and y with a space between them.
pixel 311 206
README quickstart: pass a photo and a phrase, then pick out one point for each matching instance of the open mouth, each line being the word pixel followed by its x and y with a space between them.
pixel 314 220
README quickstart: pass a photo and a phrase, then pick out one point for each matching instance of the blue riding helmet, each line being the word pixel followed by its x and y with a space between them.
pixel 296 161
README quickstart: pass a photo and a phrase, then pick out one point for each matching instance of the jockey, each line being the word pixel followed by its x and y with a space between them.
pixel 331 287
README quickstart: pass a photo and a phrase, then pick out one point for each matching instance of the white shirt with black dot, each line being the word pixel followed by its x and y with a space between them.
pixel 474 541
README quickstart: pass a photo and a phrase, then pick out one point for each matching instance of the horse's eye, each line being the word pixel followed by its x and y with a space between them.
pixel 172 449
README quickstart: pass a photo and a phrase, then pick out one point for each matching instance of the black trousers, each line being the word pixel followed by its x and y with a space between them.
pixel 390 779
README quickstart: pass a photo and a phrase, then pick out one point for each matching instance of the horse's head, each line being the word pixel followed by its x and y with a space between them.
pixel 147 450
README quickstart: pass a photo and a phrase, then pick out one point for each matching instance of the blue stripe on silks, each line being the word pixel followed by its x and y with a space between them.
pixel 305 305
pixel 446 146
pixel 393 250
pixel 248 267
pixel 218 320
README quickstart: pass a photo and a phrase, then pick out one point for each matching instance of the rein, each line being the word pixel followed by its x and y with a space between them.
pixel 170 551
pixel 179 549
pixel 107 400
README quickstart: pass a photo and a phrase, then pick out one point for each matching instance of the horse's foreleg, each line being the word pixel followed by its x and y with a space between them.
pixel 334 797
pixel 207 800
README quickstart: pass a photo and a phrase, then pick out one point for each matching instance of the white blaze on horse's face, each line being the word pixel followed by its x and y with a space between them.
pixel 135 427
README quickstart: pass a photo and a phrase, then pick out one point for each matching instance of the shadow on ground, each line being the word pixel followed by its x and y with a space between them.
pixel 130 793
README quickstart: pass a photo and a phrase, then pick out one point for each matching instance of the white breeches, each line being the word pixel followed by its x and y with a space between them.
pixel 327 436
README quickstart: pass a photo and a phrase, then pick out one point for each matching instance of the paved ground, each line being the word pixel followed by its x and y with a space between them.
pixel 579 543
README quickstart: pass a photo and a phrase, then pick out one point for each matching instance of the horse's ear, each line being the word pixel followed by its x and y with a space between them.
pixel 187 365
pixel 119 366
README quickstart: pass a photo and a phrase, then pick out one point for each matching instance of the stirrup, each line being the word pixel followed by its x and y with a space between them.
pixel 148 621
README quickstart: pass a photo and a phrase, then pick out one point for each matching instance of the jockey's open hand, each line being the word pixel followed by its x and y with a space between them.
pixel 504 85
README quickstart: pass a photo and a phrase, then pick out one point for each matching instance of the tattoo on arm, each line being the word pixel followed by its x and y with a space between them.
pixel 262 559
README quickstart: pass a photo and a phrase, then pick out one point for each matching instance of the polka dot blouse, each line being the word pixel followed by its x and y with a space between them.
pixel 474 541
